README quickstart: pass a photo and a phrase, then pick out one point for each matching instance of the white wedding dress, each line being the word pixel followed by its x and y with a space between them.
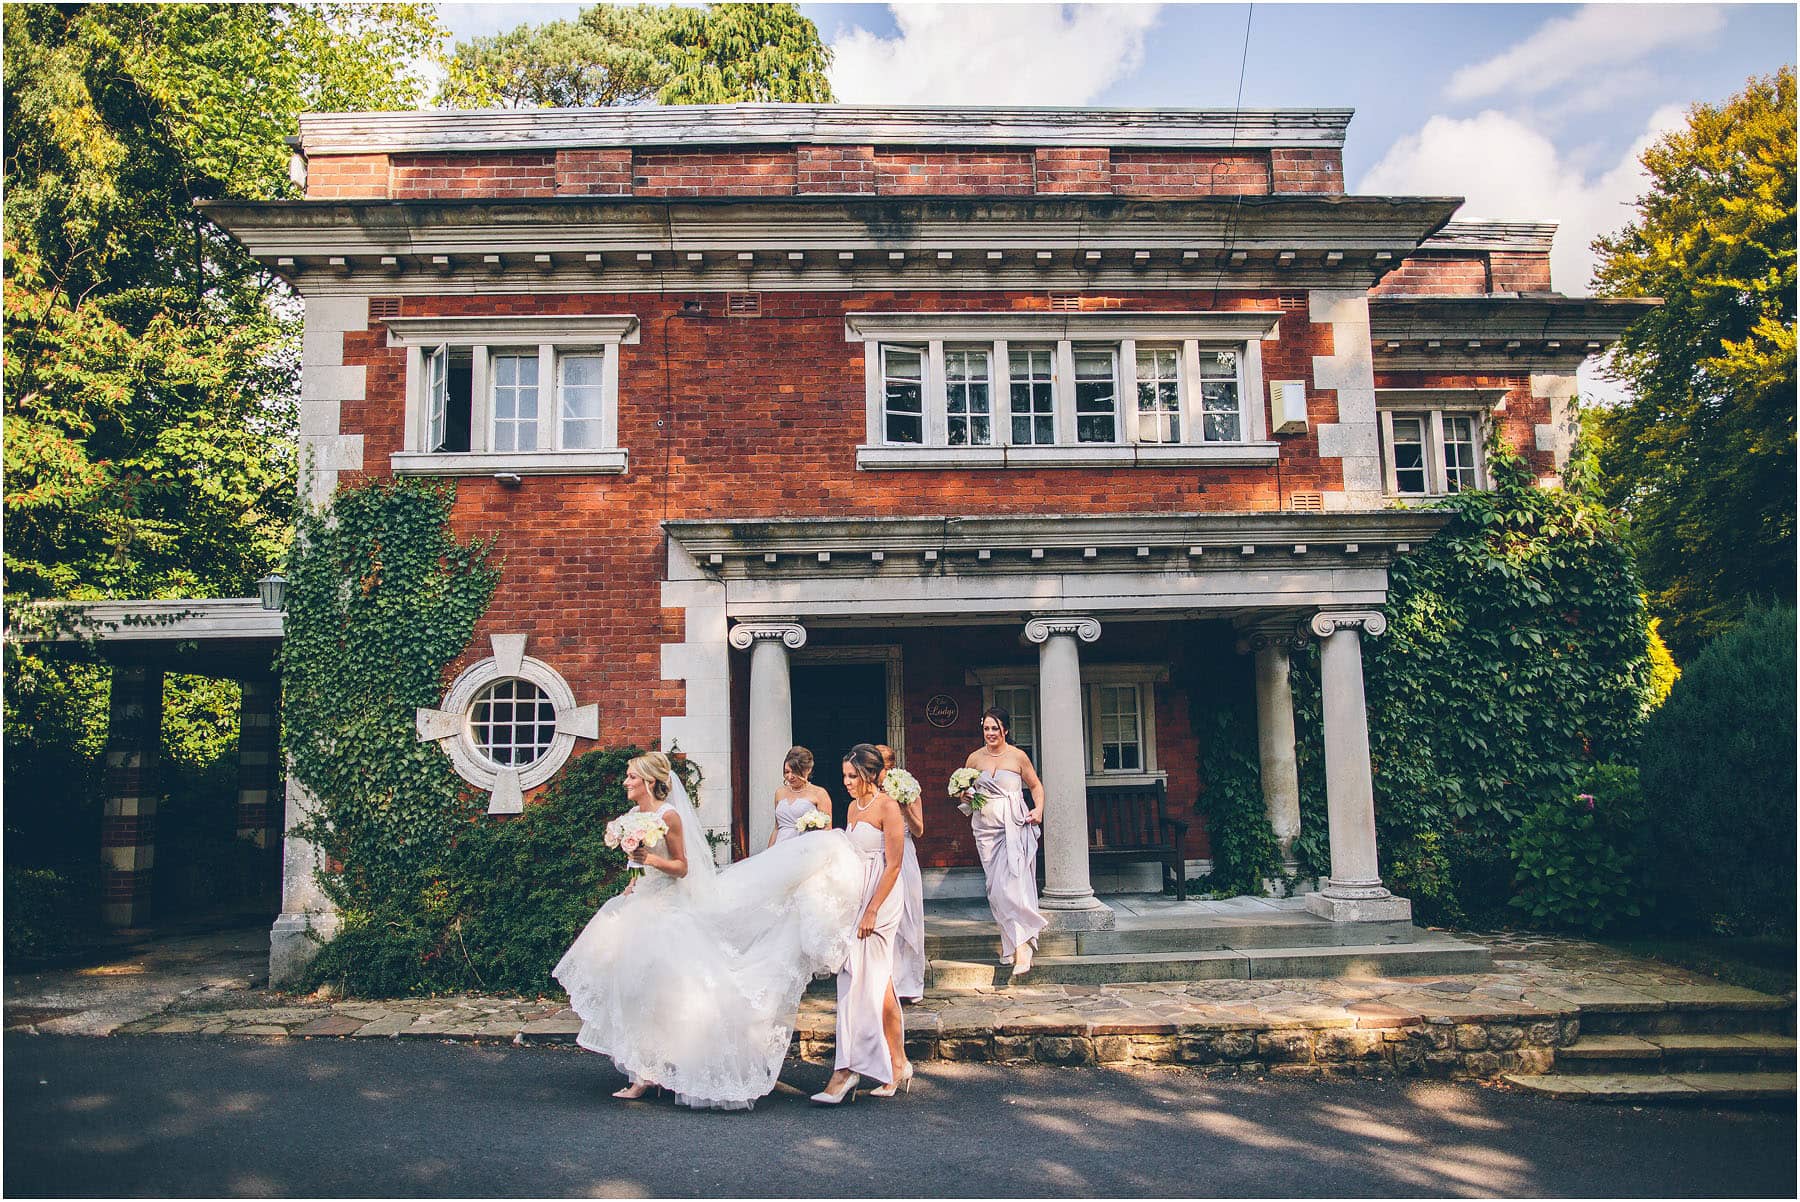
pixel 693 983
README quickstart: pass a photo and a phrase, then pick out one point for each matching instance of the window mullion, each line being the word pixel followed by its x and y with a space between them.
pixel 937 400
pixel 1390 454
pixel 1001 393
pixel 1063 392
pixel 549 401
pixel 1440 476
pixel 481 403
pixel 1126 401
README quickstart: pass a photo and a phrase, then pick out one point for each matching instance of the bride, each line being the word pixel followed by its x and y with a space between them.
pixel 690 979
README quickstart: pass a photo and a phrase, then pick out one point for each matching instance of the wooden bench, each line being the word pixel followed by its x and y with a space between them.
pixel 1131 824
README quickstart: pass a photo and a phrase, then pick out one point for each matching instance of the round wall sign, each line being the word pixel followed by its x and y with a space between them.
pixel 941 710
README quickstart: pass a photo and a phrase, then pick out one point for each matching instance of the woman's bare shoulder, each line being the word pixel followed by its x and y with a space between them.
pixel 970 761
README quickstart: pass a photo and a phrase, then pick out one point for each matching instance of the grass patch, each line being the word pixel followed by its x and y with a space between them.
pixel 1762 963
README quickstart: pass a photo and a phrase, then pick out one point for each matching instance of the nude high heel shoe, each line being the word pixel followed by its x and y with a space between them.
pixel 1021 961
pixel 637 1093
pixel 846 1094
pixel 902 1083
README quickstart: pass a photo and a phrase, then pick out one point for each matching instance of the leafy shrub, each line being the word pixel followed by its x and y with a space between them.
pixel 1244 851
pixel 49 912
pixel 1719 782
pixel 1579 859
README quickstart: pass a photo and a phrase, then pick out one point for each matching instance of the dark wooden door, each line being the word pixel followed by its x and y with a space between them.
pixel 837 706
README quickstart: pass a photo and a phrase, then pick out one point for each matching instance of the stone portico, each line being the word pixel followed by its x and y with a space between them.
pixel 1057 584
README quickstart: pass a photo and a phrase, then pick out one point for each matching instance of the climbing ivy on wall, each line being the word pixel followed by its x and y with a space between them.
pixel 380 599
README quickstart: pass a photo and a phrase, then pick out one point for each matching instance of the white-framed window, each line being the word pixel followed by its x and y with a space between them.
pixel 513 722
pixel 520 395
pixel 903 394
pixel 969 396
pixel 1063 389
pixel 1431 453
pixel 1118 715
pixel 1097 393
pixel 1158 394
pixel 1020 701
pixel 1033 377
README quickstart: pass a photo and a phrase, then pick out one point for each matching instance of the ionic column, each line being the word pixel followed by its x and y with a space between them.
pixel 1354 892
pixel 771 715
pixel 128 819
pixel 1270 643
pixel 1068 897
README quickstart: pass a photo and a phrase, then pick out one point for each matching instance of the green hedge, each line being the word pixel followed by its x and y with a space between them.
pixel 1580 859
pixel 1719 783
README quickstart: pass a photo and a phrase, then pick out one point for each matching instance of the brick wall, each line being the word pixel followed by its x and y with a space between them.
pixel 761 417
pixel 1520 272
pixel 1433 276
pixel 500 176
pixel 817 170
pixel 1173 173
pixel 1317 171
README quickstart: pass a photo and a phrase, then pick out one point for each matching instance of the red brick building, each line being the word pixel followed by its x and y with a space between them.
pixel 829 423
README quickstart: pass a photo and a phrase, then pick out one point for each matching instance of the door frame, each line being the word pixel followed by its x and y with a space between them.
pixel 888 655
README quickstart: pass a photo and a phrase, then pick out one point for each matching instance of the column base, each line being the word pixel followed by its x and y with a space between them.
pixel 291 948
pixel 1359 909
pixel 1087 913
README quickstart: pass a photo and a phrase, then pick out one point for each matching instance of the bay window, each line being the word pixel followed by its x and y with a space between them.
pixel 1048 389
pixel 511 395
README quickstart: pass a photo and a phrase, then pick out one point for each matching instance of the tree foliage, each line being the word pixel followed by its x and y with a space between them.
pixel 1719 785
pixel 1702 457
pixel 614 55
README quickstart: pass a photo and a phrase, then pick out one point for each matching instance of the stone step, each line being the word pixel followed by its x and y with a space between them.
pixel 1221 935
pixel 1658 1087
pixel 1601 1055
pixel 1431 957
pixel 1713 1010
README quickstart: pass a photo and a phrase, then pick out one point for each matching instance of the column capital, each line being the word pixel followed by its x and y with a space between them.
pixel 1327 622
pixel 1284 632
pixel 745 635
pixel 1080 626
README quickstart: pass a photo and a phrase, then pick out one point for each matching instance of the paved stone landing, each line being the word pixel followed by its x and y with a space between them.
pixel 1514 1020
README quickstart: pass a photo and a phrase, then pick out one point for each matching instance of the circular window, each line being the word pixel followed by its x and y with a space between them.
pixel 513 722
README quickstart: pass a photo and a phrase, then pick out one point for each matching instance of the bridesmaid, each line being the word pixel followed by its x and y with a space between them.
pixel 1006 837
pixel 797 796
pixel 909 948
pixel 870 1032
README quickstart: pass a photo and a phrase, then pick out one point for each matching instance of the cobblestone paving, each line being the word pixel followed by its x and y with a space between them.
pixel 1508 1020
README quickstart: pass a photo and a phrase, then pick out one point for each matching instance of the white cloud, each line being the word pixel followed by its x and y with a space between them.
pixel 1046 54
pixel 1582 51
pixel 1508 171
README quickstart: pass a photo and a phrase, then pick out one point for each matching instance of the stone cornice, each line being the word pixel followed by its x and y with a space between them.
pixel 1157 543
pixel 212 620
pixel 588 244
pixel 820 124
pixel 1509 334
pixel 1518 237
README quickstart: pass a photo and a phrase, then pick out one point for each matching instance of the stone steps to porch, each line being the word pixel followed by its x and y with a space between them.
pixel 1158 939
pixel 1735 1050
pixel 1429 957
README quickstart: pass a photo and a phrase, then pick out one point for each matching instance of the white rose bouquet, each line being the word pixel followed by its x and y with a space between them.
pixel 635 829
pixel 812 820
pixel 962 787
pixel 901 785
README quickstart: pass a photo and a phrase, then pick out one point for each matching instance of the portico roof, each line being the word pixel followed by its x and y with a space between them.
pixel 214 636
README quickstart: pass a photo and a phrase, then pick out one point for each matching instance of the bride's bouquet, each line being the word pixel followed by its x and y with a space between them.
pixel 635 829
pixel 901 785
pixel 962 787
pixel 812 820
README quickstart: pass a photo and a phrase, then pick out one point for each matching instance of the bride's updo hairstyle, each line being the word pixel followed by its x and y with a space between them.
pixel 656 770
pixel 866 760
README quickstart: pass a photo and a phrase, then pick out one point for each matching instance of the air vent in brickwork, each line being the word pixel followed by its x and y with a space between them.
pixel 743 304
pixel 1065 302
pixel 382 307
pixel 1290 302
pixel 1307 502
